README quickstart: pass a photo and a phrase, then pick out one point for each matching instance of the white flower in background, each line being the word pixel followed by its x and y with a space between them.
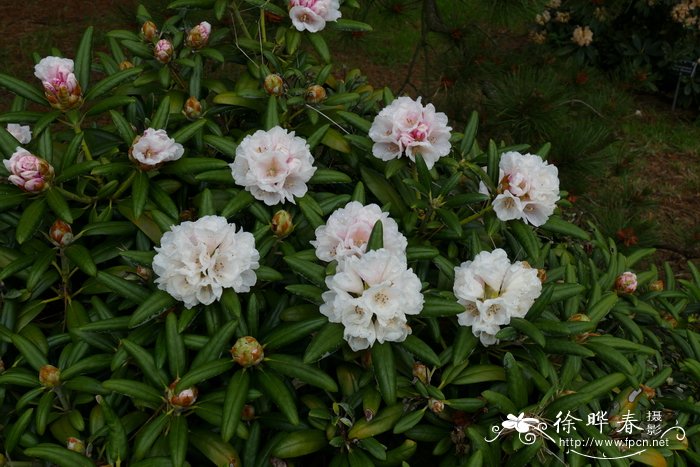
pixel 61 87
pixel 198 260
pixel 406 126
pixel 312 15
pixel 528 188
pixel 273 165
pixel 154 148
pixel 583 36
pixel 23 134
pixel 492 291
pixel 371 296
pixel 348 229
pixel 29 172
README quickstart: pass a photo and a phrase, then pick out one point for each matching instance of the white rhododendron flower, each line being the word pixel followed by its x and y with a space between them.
pixel 407 126
pixel 196 261
pixel 22 133
pixel 348 229
pixel 312 15
pixel 371 296
pixel 273 165
pixel 61 87
pixel 528 188
pixel 492 291
pixel 153 148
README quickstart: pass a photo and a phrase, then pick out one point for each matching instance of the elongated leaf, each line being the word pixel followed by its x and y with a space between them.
pixel 385 370
pixel 30 220
pixel 236 394
pixel 23 89
pixel 83 59
pixel 110 82
pixel 156 303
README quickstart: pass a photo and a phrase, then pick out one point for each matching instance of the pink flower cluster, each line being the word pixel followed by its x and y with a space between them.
pixel 61 87
pixel 312 15
pixel 407 126
pixel 29 172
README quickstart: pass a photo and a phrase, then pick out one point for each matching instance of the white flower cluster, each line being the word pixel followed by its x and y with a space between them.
pixel 273 165
pixel 348 229
pixel 492 291
pixel 407 126
pixel 22 133
pixel 197 260
pixel 371 296
pixel 371 292
pixel 312 15
pixel 528 188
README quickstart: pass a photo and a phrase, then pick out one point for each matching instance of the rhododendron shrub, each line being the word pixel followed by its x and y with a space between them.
pixel 217 248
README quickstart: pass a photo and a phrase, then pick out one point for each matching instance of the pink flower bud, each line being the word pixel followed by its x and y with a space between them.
pixel 247 351
pixel 29 172
pixel 61 233
pixel 149 30
pixel 49 376
pixel 626 282
pixel 75 444
pixel 61 87
pixel 281 224
pixel 164 51
pixel 192 108
pixel 274 84
pixel 182 399
pixel 198 36
pixel 315 94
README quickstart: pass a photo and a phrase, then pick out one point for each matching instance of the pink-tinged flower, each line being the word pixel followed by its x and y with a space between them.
pixel 164 51
pixel 408 127
pixel 23 134
pixel 626 282
pixel 29 172
pixel 528 188
pixel 198 36
pixel 273 165
pixel 154 148
pixel 347 232
pixel 61 87
pixel 312 15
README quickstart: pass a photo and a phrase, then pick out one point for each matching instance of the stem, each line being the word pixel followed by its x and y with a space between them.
pixel 263 32
pixel 73 196
pixel 239 20
pixel 86 150
pixel 61 398
pixel 477 215
pixel 126 184
pixel 328 118
pixel 177 78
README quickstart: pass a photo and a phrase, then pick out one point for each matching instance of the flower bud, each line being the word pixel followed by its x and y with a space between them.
pixel 61 233
pixel 192 108
pixel 75 444
pixel 182 399
pixel 436 406
pixel 248 413
pixel 61 87
pixel 164 51
pixel 579 317
pixel 315 94
pixel 29 172
pixel 247 351
pixel 649 392
pixel 626 283
pixel 421 372
pixel 49 376
pixel 149 30
pixel 274 84
pixel 657 286
pixel 144 273
pixel 125 65
pixel 542 275
pixel 281 224
pixel 198 36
